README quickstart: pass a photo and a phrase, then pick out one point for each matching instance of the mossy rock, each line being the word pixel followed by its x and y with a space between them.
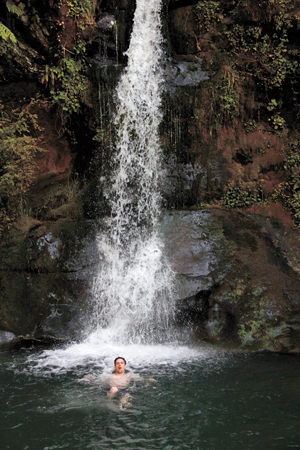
pixel 240 279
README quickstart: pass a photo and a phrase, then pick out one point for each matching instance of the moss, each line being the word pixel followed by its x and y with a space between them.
pixel 247 330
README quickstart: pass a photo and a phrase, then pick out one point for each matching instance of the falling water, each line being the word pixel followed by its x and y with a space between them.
pixel 133 289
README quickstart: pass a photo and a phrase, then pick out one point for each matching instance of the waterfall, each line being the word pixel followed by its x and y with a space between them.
pixel 133 288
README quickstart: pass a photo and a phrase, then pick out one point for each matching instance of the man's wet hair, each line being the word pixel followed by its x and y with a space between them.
pixel 119 357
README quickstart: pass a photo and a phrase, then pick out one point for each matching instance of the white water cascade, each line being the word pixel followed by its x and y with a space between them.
pixel 133 292
pixel 133 289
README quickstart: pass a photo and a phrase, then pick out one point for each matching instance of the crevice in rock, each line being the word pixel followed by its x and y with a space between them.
pixel 230 328
pixel 193 310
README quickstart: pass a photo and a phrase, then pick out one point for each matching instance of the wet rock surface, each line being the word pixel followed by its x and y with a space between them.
pixel 197 251
pixel 237 279
pixel 183 73
pixel 45 279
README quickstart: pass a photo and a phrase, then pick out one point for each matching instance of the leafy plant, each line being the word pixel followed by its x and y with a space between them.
pixel 289 191
pixel 77 8
pixel 99 136
pixel 18 149
pixel 224 95
pixel 208 12
pixel 67 77
pixel 250 126
pixel 266 57
pixel 293 159
pixel 13 8
pixel 278 123
pixel 6 34
pixel 237 197
pixel 70 83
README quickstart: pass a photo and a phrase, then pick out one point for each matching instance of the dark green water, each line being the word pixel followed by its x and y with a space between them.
pixel 220 401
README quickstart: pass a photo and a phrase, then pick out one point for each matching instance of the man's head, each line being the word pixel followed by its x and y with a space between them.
pixel 120 365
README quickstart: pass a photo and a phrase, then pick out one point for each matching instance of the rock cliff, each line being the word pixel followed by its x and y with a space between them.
pixel 230 143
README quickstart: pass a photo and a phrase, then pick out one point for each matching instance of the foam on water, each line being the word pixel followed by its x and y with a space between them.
pixel 98 351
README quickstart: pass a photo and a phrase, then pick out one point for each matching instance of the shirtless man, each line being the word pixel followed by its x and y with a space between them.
pixel 119 379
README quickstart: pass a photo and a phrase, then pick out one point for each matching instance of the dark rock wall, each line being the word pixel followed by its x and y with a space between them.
pixel 237 279
pixel 45 279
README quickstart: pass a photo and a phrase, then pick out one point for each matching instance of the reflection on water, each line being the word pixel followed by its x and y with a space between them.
pixel 221 400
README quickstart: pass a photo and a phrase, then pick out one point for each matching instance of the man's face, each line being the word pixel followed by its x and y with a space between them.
pixel 120 366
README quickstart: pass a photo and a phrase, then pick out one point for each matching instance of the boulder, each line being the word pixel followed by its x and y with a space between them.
pixel 44 279
pixel 236 278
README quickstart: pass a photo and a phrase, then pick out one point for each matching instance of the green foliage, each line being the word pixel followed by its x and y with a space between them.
pixel 289 191
pixel 6 34
pixel 237 197
pixel 224 96
pixel 286 13
pixel 272 105
pixel 278 123
pixel 79 7
pixel 17 166
pixel 69 84
pixel 250 126
pixel 265 56
pixel 67 77
pixel 293 159
pixel 257 40
pixel 271 57
pixel 13 8
pixel 99 136
pixel 251 50
pixel 208 13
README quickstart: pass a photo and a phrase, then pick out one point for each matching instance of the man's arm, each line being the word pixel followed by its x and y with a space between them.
pixel 138 377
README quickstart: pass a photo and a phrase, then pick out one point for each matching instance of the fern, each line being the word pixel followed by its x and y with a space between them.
pixel 6 34
pixel 13 8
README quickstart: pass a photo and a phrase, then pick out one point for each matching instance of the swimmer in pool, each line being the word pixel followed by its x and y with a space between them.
pixel 119 379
